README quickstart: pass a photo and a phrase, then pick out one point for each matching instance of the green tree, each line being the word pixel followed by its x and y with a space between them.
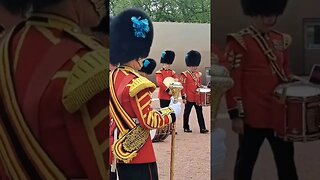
pixel 187 11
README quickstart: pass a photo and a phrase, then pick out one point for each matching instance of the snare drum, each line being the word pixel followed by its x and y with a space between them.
pixel 302 122
pixel 203 96
pixel 158 135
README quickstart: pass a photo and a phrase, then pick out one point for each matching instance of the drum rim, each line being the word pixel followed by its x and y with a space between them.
pixel 199 90
pixel 279 88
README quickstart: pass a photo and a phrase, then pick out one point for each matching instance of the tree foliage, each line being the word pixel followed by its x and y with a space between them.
pixel 187 11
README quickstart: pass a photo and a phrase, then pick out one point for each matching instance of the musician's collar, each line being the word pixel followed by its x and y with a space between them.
pixel 126 67
pixel 166 69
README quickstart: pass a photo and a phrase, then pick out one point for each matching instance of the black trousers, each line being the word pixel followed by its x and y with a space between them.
pixel 113 175
pixel 164 103
pixel 186 114
pixel 147 171
pixel 249 146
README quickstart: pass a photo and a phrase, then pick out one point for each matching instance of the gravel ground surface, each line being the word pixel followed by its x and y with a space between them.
pixel 192 153
pixel 192 150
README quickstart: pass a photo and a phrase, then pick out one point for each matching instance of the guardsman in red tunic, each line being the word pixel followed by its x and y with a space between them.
pixel 164 95
pixel 258 62
pixel 191 81
pixel 53 92
pixel 148 66
pixel 130 104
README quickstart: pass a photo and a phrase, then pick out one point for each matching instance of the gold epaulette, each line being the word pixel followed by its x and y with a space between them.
pixel 200 74
pixel 87 78
pixel 287 39
pixel 239 37
pixel 140 84
pixel 173 72
pixel 158 72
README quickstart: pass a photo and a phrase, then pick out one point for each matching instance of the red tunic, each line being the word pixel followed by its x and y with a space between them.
pixel 254 78
pixel 191 81
pixel 75 141
pixel 160 76
pixel 139 108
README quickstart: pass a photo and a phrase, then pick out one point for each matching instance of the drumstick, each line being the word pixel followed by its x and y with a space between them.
pixel 173 138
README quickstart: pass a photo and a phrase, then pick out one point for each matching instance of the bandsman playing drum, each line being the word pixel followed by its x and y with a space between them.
pixel 191 81
pixel 258 61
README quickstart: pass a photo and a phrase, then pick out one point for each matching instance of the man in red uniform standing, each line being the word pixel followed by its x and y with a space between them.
pixel 130 104
pixel 164 95
pixel 53 93
pixel 191 81
pixel 258 62
pixel 148 66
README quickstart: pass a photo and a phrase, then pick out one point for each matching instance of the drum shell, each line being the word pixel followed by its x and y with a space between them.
pixel 302 121
pixel 203 98
pixel 162 133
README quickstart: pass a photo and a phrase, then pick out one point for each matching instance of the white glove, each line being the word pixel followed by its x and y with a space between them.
pixel 176 108
pixel 171 100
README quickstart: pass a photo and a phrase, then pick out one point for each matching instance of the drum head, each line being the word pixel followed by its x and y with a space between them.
pixel 203 90
pixel 300 90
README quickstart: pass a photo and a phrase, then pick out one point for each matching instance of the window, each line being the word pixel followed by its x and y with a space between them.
pixel 312 35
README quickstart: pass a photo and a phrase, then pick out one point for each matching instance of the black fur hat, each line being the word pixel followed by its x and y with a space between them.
pixel 167 57
pixel 131 36
pixel 148 66
pixel 16 6
pixel 193 58
pixel 263 7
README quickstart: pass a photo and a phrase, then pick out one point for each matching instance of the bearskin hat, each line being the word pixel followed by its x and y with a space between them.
pixel 263 7
pixel 167 57
pixel 16 6
pixel 131 36
pixel 193 58
pixel 148 66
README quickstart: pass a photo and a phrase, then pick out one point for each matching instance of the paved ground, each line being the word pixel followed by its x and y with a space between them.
pixel 192 154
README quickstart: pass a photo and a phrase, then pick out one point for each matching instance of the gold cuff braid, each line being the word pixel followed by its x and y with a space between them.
pixel 128 145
